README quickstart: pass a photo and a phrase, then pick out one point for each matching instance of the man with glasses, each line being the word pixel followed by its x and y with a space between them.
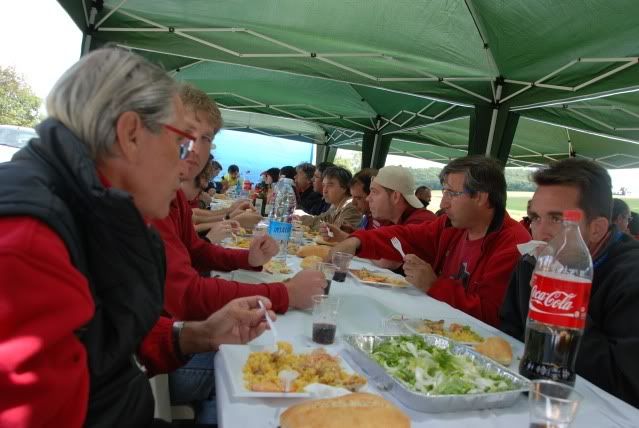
pixel 82 273
pixel 610 343
pixel 464 257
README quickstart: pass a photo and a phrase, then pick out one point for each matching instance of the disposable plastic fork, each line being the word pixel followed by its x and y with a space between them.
pixel 398 246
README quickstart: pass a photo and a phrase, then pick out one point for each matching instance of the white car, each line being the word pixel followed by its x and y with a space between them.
pixel 12 139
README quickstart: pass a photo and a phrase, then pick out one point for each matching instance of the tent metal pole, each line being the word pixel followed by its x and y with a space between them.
pixel 86 45
pixel 578 99
pixel 609 73
pixel 596 134
pixel 86 15
pixel 380 88
pixel 482 34
pixel 111 12
pixel 426 125
pixel 493 121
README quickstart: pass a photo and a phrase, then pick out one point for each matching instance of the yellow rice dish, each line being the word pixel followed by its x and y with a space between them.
pixel 262 370
pixel 458 332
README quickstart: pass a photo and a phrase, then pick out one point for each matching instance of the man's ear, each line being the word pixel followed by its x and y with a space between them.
pixel 128 128
pixel 597 229
pixel 482 199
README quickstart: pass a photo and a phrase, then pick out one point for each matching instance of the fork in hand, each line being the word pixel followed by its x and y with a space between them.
pixel 398 246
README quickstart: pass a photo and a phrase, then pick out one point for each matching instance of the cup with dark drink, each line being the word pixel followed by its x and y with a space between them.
pixel 325 310
pixel 342 261
pixel 328 270
pixel 552 404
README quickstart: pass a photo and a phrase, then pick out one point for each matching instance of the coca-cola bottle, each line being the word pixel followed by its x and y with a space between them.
pixel 558 305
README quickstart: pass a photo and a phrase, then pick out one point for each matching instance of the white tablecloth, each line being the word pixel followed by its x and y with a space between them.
pixel 363 310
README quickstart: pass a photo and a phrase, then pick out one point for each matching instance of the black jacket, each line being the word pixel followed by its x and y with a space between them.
pixel 312 202
pixel 54 180
pixel 609 352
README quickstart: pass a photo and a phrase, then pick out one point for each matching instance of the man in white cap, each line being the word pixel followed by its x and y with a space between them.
pixel 392 198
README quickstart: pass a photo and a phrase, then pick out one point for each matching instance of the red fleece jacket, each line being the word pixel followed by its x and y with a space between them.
pixel 189 296
pixel 44 377
pixel 433 241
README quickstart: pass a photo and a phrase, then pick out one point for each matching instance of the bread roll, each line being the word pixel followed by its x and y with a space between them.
pixel 496 348
pixel 314 250
pixel 310 261
pixel 358 410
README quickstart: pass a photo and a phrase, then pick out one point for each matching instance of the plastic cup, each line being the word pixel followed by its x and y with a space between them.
pixel 342 261
pixel 325 311
pixel 328 270
pixel 552 404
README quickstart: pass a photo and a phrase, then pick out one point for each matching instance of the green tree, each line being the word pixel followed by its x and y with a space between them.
pixel 18 103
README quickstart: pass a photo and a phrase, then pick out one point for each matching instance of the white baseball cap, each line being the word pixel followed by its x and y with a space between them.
pixel 401 180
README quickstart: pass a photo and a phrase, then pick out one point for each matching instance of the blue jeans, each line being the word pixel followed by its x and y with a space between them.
pixel 194 383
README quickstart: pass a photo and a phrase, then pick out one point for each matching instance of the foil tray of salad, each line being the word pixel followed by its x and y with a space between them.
pixel 434 374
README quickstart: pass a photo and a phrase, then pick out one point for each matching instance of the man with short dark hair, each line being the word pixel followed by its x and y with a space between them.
pixel 336 192
pixel 464 257
pixel 231 180
pixel 318 185
pixel 311 202
pixel 610 344
pixel 423 193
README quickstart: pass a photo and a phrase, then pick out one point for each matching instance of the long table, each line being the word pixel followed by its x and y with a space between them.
pixel 366 309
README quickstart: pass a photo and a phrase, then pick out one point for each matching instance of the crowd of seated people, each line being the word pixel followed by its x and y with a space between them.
pixel 135 286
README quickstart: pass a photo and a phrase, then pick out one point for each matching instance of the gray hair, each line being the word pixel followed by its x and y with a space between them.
pixel 90 96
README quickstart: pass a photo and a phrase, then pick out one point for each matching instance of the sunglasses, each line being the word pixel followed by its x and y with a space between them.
pixel 187 145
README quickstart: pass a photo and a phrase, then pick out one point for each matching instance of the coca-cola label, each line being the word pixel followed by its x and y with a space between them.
pixel 558 301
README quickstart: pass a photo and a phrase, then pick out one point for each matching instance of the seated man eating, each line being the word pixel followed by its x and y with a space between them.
pixel 610 343
pixel 464 257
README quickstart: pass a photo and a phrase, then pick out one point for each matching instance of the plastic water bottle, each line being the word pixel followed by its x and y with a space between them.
pixel 281 215
pixel 559 298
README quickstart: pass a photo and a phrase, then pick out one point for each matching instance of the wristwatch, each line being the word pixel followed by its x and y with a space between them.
pixel 177 330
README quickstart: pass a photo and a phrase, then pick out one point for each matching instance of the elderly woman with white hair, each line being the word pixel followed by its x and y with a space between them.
pixel 82 272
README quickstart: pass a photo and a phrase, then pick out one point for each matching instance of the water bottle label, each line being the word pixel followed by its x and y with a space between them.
pixel 280 231
pixel 560 302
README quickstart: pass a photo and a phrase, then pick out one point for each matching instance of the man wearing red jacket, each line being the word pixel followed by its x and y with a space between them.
pixel 190 296
pixel 82 273
pixel 392 200
pixel 464 258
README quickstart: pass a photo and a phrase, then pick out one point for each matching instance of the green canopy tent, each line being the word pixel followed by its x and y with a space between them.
pixel 387 69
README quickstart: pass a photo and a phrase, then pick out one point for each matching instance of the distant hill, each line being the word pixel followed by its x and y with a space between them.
pixel 517 179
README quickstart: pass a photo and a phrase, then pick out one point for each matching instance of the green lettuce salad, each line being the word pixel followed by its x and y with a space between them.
pixel 435 371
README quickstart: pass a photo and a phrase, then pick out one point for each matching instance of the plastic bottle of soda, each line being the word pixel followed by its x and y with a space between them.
pixel 281 215
pixel 560 293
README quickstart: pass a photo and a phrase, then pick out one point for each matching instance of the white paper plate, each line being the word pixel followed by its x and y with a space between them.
pixel 235 356
pixel 386 273
pixel 413 324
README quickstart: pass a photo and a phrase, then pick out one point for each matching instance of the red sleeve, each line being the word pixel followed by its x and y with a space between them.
pixel 189 296
pixel 489 282
pixel 44 378
pixel 156 351
pixel 204 255
pixel 420 239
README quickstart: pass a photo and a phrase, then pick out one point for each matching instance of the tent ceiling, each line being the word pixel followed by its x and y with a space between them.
pixel 393 66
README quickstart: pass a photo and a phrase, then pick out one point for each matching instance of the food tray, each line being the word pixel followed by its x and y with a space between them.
pixel 360 347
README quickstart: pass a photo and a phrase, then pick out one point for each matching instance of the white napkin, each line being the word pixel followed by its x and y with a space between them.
pixel 531 248
pixel 318 390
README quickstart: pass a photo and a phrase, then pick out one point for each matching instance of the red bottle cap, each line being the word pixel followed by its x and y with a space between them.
pixel 572 215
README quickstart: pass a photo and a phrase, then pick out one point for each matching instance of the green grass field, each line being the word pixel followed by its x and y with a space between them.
pixel 517 201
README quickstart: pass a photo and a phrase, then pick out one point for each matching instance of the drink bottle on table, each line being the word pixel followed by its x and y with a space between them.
pixel 559 298
pixel 281 215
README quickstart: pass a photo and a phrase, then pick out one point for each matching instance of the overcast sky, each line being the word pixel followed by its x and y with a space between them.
pixel 41 42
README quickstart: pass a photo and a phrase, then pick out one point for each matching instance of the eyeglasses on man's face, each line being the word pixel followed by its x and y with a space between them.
pixel 188 140
pixel 447 193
